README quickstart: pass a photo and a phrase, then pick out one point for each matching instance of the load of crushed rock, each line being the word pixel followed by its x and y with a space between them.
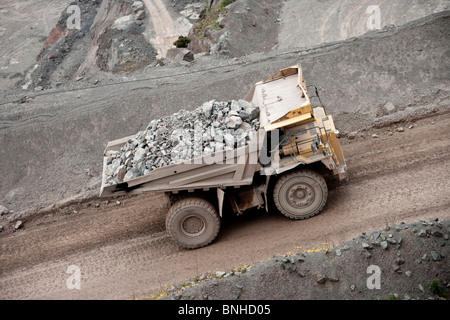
pixel 185 135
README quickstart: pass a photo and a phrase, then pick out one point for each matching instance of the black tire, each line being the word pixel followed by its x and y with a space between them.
pixel 193 223
pixel 300 194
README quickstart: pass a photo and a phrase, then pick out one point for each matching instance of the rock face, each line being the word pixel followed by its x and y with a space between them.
pixel 110 39
pixel 251 27
pixel 212 127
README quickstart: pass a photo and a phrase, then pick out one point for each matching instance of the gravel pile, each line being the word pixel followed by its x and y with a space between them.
pixel 185 135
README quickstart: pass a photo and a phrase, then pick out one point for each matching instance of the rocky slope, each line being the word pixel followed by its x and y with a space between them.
pixel 109 39
pixel 112 37
pixel 236 28
pixel 399 262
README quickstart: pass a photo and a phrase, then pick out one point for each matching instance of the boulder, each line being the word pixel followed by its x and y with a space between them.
pixel 180 54
pixel 137 5
pixel 3 210
pixel 140 15
pixel 388 108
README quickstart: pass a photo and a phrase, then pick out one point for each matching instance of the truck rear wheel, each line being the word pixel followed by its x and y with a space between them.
pixel 193 223
pixel 300 194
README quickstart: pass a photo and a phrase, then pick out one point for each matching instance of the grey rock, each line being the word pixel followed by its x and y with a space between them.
pixel 400 129
pixel 322 279
pixel 390 240
pixel 235 106
pixel 139 154
pixel 207 108
pixel 425 258
pixel 220 274
pixel 422 233
pixel 388 108
pixel 408 274
pixel 233 122
pixel 229 140
pixel 1 228
pixel 384 245
pixel 137 5
pixel 352 135
pixel 253 112
pixel 3 210
pixel 179 54
pixel 436 256
pixel 17 225
pixel 338 252
pixel 120 173
pixel 244 115
pixel 121 24
pixel 140 15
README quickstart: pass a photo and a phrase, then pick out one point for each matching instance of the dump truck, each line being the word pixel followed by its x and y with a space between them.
pixel 284 166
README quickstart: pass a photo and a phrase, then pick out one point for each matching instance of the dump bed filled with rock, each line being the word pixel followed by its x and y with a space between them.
pixel 211 128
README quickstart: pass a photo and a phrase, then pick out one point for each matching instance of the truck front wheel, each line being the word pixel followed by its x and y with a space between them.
pixel 300 194
pixel 193 223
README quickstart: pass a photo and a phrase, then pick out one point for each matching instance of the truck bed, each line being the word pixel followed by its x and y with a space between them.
pixel 236 169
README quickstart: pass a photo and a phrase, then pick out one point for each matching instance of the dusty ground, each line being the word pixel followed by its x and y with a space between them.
pixel 52 144
pixel 123 250
pixel 307 23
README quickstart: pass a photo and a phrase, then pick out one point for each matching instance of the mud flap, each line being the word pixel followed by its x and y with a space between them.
pixel 220 198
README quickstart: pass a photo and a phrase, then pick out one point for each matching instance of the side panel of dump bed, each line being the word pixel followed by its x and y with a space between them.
pixel 218 170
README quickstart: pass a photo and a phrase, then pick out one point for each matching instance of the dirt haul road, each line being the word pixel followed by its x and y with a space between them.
pixel 123 251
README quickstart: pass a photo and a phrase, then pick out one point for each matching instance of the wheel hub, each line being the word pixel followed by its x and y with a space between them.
pixel 193 225
pixel 300 195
